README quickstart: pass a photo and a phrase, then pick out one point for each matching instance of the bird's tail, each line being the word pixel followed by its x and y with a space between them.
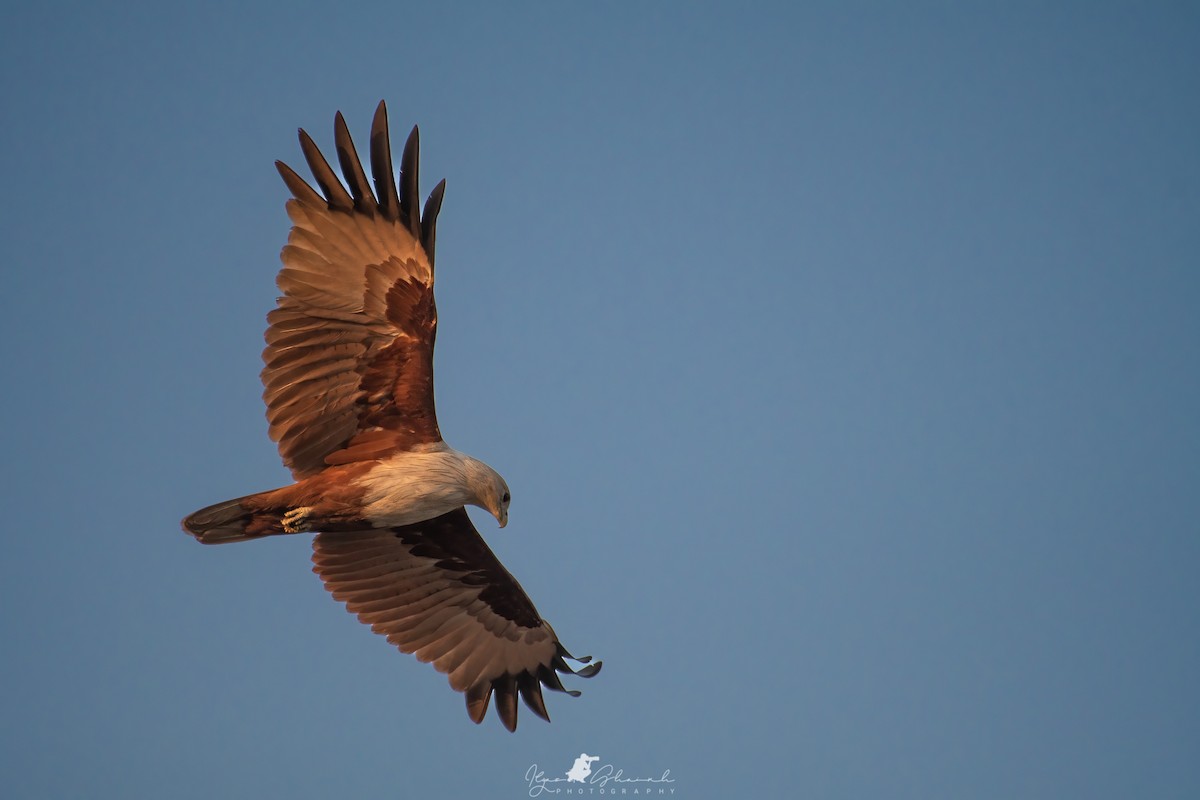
pixel 233 521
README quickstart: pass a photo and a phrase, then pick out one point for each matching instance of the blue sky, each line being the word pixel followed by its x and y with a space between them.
pixel 842 360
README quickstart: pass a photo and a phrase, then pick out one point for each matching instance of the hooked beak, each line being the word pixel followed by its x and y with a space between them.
pixel 502 518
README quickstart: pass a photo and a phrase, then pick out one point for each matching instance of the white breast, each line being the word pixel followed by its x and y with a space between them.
pixel 415 486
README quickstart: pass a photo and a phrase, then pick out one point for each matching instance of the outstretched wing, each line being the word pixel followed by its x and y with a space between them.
pixel 436 590
pixel 349 357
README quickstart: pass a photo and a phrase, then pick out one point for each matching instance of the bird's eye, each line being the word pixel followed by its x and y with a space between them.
pixel 506 498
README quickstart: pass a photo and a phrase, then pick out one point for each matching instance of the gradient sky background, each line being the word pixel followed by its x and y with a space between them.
pixel 842 358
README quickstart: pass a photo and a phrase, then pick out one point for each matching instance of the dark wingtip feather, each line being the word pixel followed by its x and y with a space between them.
pixel 429 219
pixel 589 671
pixel 356 178
pixel 410 212
pixel 298 186
pixel 381 164
pixel 477 701
pixel 335 194
pixel 531 693
pixel 551 680
pixel 506 701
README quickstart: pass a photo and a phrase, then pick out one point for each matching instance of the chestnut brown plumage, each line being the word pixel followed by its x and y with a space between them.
pixel 348 384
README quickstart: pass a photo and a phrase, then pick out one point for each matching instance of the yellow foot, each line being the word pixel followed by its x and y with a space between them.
pixel 293 521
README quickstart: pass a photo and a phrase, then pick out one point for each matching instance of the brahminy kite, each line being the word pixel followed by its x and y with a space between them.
pixel 349 393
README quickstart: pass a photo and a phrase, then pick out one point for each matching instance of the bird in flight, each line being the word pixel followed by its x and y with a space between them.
pixel 349 392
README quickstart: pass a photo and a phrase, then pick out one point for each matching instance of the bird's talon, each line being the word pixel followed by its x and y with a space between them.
pixel 293 521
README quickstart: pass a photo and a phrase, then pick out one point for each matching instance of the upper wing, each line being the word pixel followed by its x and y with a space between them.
pixel 436 590
pixel 349 357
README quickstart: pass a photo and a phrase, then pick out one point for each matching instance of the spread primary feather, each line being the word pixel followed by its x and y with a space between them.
pixel 348 384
